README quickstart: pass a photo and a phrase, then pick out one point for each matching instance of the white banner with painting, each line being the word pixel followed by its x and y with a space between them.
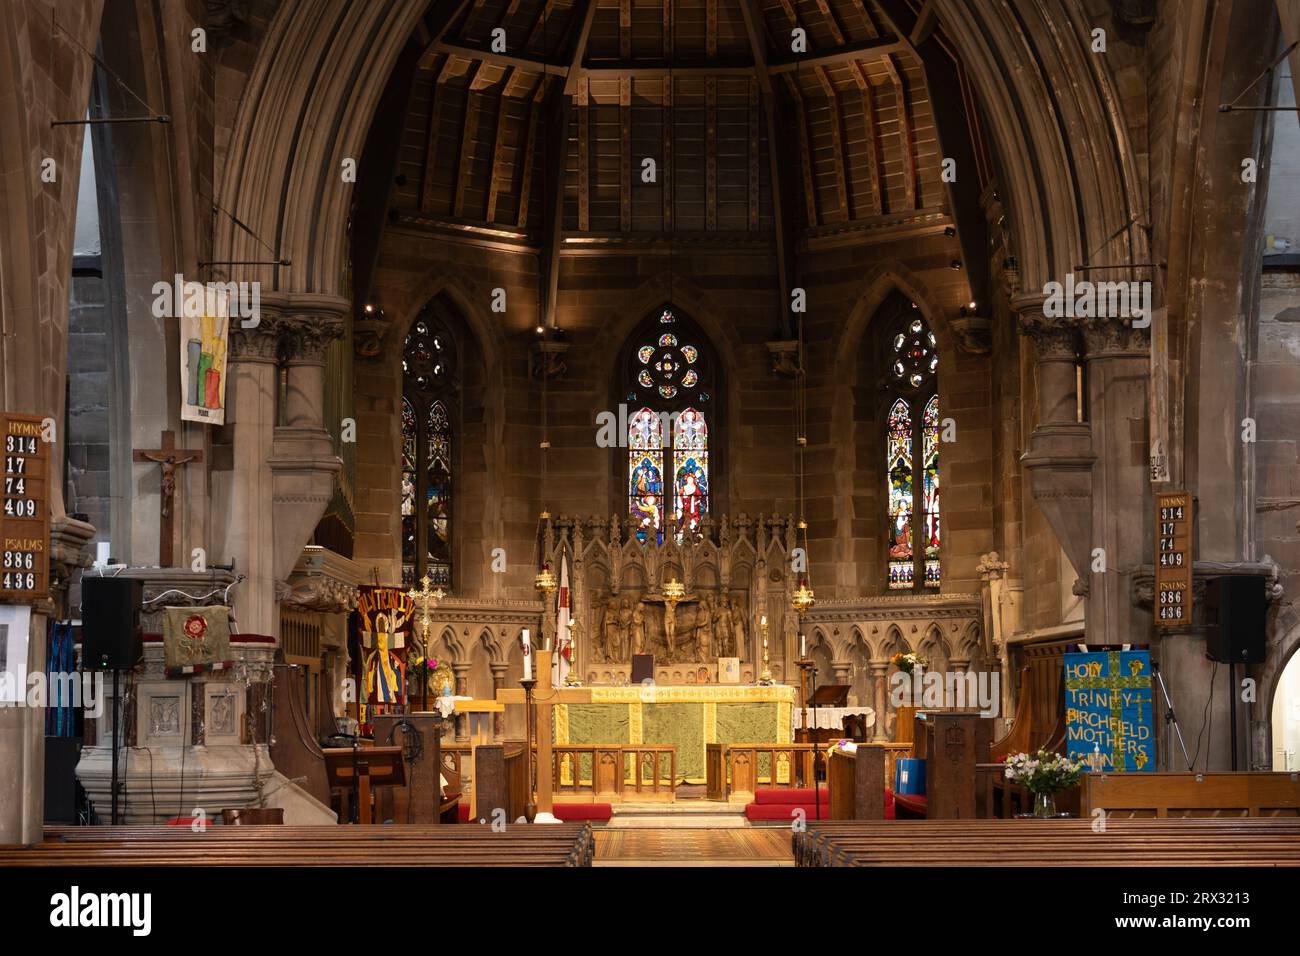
pixel 203 359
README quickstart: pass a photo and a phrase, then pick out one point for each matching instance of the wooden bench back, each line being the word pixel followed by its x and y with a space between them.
pixel 1248 794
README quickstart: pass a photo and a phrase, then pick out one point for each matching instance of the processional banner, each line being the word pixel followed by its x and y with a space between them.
pixel 1108 709
pixel 203 359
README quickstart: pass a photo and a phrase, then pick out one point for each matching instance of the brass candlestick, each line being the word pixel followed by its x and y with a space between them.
pixel 569 679
pixel 530 807
pixel 766 679
pixel 805 664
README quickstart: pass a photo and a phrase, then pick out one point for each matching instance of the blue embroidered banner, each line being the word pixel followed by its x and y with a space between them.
pixel 1108 706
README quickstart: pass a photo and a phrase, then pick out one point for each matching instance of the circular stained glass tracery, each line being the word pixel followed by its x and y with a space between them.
pixel 666 364
pixel 915 356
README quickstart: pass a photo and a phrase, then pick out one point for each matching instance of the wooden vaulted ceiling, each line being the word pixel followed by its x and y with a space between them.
pixel 485 140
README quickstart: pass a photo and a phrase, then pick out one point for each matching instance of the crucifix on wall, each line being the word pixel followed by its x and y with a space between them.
pixel 169 458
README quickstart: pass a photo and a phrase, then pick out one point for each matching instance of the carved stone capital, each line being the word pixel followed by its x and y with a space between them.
pixel 259 344
pixel 1113 337
pixel 1057 340
pixel 991 566
pixel 784 358
pixel 305 338
pixel 547 358
pixel 972 333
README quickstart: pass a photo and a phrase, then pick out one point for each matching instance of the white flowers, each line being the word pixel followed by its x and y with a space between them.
pixel 1043 772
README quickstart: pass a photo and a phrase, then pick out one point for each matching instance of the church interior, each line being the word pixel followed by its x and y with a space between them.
pixel 783 433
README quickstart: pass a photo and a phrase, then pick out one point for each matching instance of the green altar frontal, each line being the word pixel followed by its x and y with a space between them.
pixel 688 718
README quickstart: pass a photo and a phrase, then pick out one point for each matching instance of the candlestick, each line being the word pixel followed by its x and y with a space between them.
pixel 766 679
pixel 530 807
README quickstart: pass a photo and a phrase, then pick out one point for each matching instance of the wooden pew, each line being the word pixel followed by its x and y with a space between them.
pixel 1244 794
pixel 426 845
pixel 1254 841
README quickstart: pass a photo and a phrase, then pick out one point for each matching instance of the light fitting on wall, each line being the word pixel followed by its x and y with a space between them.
pixel 955 265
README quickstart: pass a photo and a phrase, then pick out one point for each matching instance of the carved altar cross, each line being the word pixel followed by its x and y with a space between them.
pixel 545 697
pixel 169 457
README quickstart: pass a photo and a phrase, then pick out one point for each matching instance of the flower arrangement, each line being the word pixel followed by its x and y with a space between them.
pixel 1043 772
pixel 908 662
pixel 420 669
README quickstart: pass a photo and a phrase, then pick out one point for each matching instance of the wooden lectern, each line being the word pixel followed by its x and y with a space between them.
pixel 419 736
pixel 364 768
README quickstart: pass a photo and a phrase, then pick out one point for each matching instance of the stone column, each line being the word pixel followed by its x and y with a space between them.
pixel 462 689
pixel 1059 458
pixel 879 669
pixel 498 684
pixel 1118 374
pixel 249 521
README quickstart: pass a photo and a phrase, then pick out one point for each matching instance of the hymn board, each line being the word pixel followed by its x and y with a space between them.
pixel 25 519
pixel 1173 564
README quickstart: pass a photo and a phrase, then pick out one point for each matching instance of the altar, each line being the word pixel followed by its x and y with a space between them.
pixel 687 718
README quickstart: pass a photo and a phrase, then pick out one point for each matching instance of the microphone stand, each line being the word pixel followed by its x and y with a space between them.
pixel 1169 712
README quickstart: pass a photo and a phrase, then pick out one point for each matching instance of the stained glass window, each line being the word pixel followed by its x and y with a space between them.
pixel 427 462
pixel 912 456
pixel 645 474
pixel 668 467
pixel 899 440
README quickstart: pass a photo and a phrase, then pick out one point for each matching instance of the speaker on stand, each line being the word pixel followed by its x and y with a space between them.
pixel 1234 632
pixel 111 640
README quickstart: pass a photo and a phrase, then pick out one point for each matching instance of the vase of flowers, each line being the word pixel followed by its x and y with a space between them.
pixel 908 662
pixel 421 669
pixel 1044 775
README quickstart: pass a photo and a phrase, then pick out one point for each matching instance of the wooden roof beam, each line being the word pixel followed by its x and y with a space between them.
pixel 837 145
pixel 440 29
pixel 849 54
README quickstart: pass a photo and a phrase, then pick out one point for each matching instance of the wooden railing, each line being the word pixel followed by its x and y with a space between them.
pixel 604 773
pixel 736 770
pixel 623 772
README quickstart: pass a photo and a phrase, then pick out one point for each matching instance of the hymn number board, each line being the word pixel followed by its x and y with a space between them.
pixel 25 518
pixel 1173 590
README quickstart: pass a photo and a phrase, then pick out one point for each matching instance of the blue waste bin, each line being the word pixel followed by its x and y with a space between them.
pixel 909 776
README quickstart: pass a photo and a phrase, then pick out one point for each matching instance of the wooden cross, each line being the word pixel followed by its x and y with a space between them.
pixel 169 457
pixel 545 697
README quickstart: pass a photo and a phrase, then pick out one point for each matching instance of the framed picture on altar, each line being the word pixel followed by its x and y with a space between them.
pixel 728 670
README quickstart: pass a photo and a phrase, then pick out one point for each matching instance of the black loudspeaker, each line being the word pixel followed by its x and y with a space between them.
pixel 110 623
pixel 61 756
pixel 1234 617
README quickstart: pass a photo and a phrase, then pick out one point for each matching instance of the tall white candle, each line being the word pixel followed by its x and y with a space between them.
pixel 803 646
pixel 764 621
pixel 528 657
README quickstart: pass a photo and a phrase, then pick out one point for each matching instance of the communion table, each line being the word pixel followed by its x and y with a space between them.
pixel 687 717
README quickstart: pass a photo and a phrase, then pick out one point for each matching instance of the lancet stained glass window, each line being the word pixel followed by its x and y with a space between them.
pixel 912 456
pixel 668 466
pixel 428 361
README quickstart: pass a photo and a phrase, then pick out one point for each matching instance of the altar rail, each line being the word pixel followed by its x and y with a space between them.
pixel 736 770
pixel 601 773
pixel 622 772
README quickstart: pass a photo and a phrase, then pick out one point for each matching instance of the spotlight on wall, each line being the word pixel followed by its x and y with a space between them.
pixel 540 330
pixel 971 306
pixel 949 231
pixel 370 309
pixel 955 265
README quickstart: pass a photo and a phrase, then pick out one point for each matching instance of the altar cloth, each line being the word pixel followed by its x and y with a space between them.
pixel 687 717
